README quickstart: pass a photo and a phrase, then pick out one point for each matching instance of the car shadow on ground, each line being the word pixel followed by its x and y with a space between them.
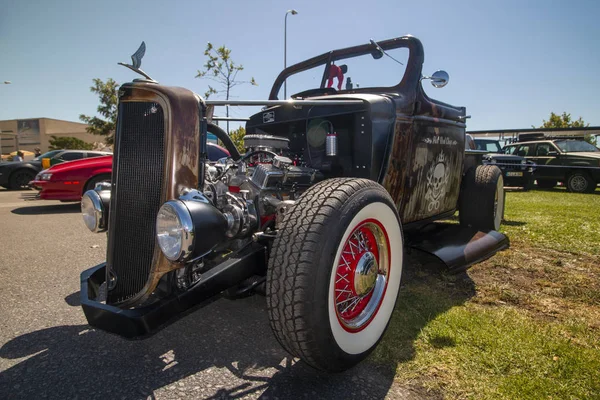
pixel 226 337
pixel 513 223
pixel 30 196
pixel 74 299
pixel 67 208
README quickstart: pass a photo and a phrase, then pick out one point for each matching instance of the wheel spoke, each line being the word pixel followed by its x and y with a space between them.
pixel 342 278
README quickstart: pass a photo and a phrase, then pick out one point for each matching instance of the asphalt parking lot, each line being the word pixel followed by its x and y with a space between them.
pixel 47 350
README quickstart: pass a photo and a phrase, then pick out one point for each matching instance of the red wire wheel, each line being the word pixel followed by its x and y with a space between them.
pixel 362 275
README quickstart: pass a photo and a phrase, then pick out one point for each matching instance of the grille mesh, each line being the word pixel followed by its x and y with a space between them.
pixel 511 164
pixel 136 196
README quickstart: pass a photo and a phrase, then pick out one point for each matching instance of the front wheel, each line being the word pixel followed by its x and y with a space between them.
pixel 91 184
pixel 20 179
pixel 334 273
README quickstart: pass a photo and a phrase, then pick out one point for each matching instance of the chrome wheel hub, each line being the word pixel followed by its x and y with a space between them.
pixel 578 183
pixel 365 274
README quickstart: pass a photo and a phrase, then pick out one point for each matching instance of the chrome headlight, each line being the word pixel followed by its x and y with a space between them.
pixel 523 162
pixel 189 227
pixel 175 230
pixel 44 176
pixel 93 211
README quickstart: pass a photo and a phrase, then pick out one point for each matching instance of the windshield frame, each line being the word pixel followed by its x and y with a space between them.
pixel 592 148
pixel 410 80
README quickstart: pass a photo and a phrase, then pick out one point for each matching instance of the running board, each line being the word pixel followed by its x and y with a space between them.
pixel 457 246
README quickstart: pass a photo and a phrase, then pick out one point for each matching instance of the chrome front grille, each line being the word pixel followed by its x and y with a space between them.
pixel 138 170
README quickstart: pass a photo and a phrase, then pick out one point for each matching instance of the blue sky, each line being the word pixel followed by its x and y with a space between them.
pixel 510 62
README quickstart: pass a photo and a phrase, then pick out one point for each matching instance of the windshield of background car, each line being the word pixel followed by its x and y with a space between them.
pixel 362 71
pixel 575 146
pixel 488 145
pixel 509 149
pixel 49 154
pixel 71 156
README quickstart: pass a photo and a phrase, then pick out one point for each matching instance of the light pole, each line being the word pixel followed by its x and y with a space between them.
pixel 293 12
pixel 5 83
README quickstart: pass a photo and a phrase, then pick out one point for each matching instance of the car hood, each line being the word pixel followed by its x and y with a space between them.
pixel 15 165
pixel 586 154
pixel 504 156
pixel 85 163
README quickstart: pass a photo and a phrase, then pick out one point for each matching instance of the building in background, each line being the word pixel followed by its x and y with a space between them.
pixel 27 134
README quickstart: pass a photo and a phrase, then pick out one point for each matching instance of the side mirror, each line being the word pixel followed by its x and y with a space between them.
pixel 378 52
pixel 439 79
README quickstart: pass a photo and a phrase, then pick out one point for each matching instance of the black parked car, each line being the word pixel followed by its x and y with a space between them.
pixel 574 162
pixel 17 175
pixel 517 170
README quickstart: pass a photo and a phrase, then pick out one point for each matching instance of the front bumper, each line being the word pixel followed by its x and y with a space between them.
pixel 143 321
pixel 520 176
pixel 524 180
pixel 38 185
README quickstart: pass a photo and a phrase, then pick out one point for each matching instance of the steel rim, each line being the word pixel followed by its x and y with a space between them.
pixel 362 274
pixel 578 183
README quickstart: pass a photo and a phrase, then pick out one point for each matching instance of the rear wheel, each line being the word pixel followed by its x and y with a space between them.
pixel 334 273
pixel 580 182
pixel 20 179
pixel 546 183
pixel 482 198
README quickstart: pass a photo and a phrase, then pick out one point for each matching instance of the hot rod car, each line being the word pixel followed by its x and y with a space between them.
pixel 316 214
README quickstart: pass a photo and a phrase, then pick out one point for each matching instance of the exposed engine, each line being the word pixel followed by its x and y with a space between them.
pixel 254 190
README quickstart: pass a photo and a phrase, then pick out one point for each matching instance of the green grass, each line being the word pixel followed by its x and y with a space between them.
pixel 501 353
pixel 554 219
pixel 524 324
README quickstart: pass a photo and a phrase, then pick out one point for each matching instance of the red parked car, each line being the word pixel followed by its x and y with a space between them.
pixel 70 180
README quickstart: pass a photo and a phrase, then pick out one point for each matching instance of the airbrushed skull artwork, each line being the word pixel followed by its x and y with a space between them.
pixel 437 178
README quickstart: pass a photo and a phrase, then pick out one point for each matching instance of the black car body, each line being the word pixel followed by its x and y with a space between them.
pixel 573 162
pixel 315 214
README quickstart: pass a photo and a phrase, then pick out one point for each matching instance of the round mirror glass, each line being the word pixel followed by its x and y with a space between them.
pixel 440 79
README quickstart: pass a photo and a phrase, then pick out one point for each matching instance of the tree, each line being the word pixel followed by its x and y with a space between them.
pixel 69 143
pixel 237 137
pixel 221 69
pixel 564 121
pixel 107 92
